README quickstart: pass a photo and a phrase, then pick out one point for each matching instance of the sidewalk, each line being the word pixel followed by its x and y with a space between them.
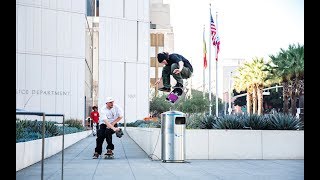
pixel 132 163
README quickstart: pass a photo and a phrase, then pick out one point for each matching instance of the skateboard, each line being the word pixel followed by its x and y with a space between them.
pixel 109 156
pixel 94 128
pixel 174 95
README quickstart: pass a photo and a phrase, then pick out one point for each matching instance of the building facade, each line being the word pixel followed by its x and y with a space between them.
pixel 50 57
pixel 54 73
pixel 124 40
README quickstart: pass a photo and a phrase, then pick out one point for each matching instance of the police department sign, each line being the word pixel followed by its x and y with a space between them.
pixel 42 92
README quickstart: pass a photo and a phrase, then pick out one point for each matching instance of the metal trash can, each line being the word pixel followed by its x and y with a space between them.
pixel 173 125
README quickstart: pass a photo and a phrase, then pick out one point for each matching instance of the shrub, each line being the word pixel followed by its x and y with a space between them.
pixel 207 122
pixel 27 130
pixel 282 121
pixel 74 123
pixel 196 104
pixel 159 105
pixel 228 122
pixel 194 121
pixel 254 121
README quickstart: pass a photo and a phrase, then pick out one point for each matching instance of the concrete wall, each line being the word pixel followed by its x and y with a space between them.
pixel 30 152
pixel 124 56
pixel 227 144
pixel 50 56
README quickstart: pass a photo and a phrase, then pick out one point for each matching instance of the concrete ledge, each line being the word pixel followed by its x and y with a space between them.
pixel 227 144
pixel 30 152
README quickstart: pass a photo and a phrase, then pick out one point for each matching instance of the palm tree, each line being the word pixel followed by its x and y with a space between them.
pixel 252 78
pixel 288 65
pixel 241 83
pixel 296 56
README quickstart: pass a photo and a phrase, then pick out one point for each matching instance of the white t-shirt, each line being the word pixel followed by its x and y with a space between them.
pixel 110 114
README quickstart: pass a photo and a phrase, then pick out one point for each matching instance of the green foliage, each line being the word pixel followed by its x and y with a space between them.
pixel 135 124
pixel 254 121
pixel 74 123
pixel 143 123
pixel 274 100
pixel 240 101
pixel 69 130
pixel 207 122
pixel 27 130
pixel 196 104
pixel 194 121
pixel 19 128
pixel 159 105
pixel 282 121
pixel 228 122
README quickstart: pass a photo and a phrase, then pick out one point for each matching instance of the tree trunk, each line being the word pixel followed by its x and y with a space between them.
pixel 254 100
pixel 294 96
pixel 260 99
pixel 293 104
pixel 285 91
pixel 249 102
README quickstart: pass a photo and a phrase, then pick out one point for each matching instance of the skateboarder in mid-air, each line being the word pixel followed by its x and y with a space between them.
pixel 177 66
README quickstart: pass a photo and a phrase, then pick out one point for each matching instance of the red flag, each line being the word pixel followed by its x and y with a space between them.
pixel 204 51
pixel 215 36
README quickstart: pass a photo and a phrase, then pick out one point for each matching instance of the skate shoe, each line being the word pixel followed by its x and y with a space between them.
pixel 109 152
pixel 95 155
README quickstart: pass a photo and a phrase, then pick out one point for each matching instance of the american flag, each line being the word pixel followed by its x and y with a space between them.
pixel 214 36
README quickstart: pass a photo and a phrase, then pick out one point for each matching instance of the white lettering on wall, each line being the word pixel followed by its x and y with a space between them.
pixel 43 92
pixel 131 96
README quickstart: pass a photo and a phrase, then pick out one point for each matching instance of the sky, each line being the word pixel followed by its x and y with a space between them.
pixel 247 28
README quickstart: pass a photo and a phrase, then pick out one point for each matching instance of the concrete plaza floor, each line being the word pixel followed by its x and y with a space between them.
pixel 132 163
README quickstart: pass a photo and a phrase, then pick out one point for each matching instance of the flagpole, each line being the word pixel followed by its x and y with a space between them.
pixel 209 54
pixel 217 104
pixel 204 72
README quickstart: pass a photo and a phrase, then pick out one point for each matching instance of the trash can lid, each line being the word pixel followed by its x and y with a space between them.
pixel 173 113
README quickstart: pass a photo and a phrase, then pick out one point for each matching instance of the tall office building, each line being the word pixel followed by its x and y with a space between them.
pixel 54 73
pixel 50 57
pixel 124 40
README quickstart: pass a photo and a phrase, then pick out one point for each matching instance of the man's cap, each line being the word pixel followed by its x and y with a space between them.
pixel 162 56
pixel 109 99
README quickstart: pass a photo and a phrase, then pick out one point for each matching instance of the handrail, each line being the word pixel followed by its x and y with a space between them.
pixel 23 112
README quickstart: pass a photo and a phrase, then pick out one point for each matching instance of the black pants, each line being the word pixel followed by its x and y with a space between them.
pixel 104 133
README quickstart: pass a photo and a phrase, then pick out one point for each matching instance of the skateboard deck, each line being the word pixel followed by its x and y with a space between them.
pixel 107 156
pixel 174 95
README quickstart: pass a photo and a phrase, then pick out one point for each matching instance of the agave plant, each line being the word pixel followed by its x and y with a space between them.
pixel 228 122
pixel 282 121
pixel 207 122
pixel 194 121
pixel 74 123
pixel 52 129
pixel 254 121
